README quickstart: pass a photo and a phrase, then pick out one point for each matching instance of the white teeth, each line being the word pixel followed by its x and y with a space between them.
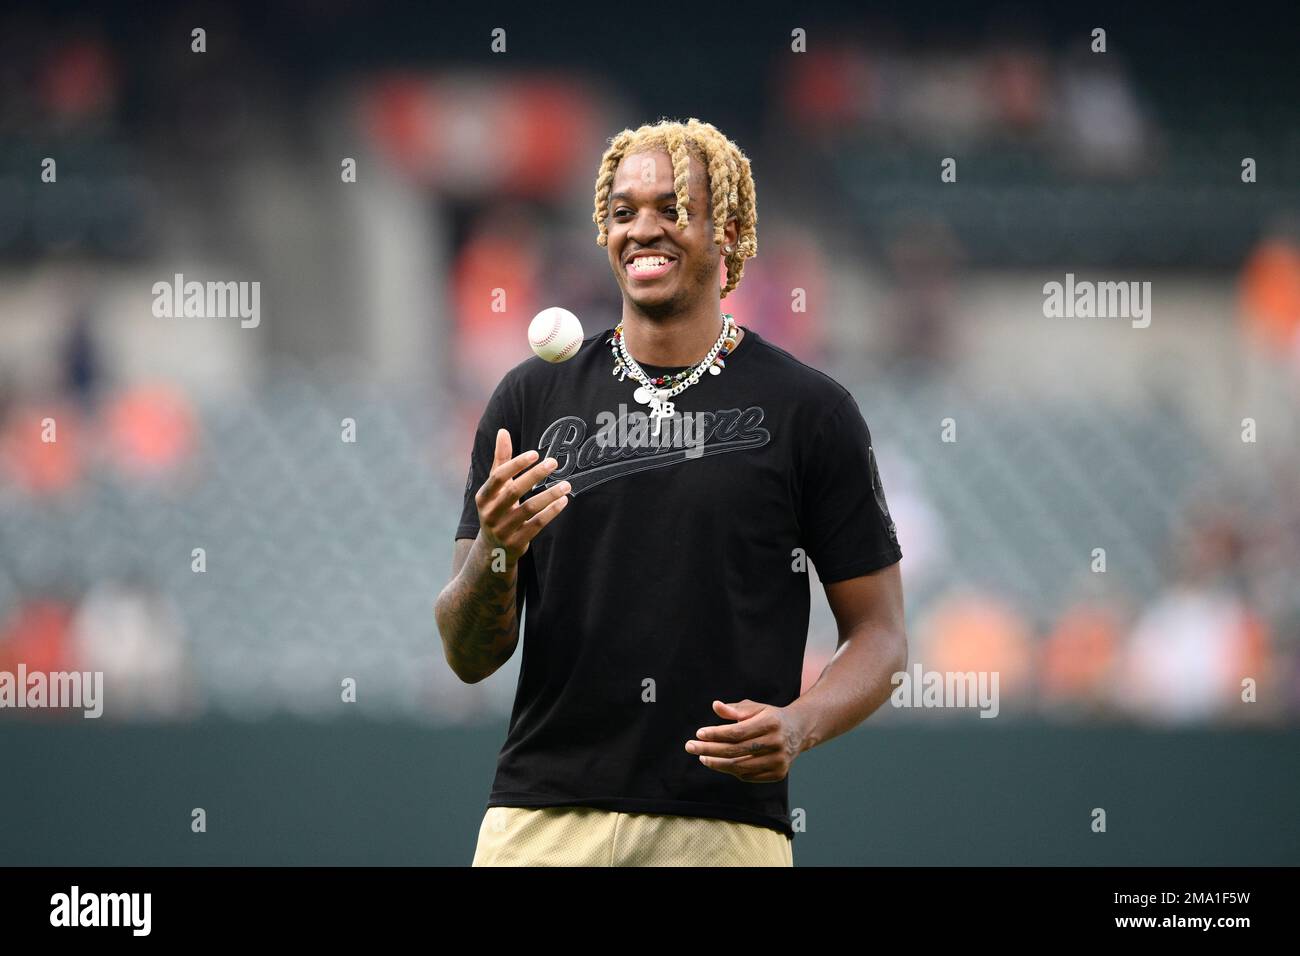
pixel 649 262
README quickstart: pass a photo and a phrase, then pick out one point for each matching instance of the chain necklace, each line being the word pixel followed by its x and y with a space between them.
pixel 658 392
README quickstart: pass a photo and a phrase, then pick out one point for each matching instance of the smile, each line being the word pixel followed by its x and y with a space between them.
pixel 649 267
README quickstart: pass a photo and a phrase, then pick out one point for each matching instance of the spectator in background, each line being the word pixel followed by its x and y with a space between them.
pixel 150 431
pixel 1269 292
pixel 836 85
pixel 131 631
pixel 1080 660
pixel 77 82
pixel 1193 646
pixel 42 446
pixel 1017 82
pixel 1103 131
pixel 80 359
pixel 972 631
pixel 37 634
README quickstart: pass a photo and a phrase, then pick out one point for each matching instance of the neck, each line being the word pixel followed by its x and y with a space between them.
pixel 683 338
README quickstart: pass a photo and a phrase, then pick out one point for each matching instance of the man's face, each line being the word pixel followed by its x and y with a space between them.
pixel 643 221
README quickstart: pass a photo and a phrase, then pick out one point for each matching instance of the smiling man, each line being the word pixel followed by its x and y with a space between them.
pixel 658 710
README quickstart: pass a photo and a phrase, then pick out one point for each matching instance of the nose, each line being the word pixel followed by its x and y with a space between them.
pixel 645 228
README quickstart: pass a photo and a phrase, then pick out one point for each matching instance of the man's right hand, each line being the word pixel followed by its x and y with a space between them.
pixel 503 521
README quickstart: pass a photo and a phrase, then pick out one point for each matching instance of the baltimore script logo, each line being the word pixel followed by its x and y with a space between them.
pixel 627 445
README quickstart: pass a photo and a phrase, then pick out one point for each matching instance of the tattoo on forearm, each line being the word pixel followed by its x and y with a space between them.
pixel 481 615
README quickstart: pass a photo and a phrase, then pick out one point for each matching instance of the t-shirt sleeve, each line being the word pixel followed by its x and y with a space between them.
pixel 498 413
pixel 845 521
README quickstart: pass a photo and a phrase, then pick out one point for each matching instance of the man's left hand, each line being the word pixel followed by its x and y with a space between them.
pixel 759 748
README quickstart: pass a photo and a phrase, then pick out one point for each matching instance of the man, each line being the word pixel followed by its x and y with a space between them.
pixel 679 473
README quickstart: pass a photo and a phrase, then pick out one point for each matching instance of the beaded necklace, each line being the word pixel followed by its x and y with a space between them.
pixel 657 392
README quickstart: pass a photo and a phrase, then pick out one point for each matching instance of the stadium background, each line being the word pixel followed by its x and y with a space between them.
pixel 475 172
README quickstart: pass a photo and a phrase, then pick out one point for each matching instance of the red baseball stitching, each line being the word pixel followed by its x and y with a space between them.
pixel 555 330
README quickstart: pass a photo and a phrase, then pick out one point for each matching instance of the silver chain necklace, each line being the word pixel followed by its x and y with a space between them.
pixel 659 399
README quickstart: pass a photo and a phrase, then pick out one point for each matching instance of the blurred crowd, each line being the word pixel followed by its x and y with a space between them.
pixel 1218 641
pixel 88 424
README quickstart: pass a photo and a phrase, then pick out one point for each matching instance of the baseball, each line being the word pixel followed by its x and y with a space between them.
pixel 555 334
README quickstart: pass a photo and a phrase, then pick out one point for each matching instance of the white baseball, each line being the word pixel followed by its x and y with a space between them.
pixel 555 334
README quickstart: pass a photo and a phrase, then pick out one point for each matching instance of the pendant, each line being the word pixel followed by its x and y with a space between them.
pixel 714 370
pixel 642 395
pixel 660 408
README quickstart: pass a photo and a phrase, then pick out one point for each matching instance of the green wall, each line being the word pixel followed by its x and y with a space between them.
pixel 352 792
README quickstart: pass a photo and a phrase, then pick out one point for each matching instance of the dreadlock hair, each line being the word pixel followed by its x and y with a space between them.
pixel 730 181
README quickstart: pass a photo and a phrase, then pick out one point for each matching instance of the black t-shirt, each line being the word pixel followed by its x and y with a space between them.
pixel 674 575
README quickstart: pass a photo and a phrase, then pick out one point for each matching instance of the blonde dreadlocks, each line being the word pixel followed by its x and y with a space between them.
pixel 730 181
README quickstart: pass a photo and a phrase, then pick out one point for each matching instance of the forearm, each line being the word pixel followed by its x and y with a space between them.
pixel 477 614
pixel 856 681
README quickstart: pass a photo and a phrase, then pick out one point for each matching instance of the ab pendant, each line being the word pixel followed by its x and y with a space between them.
pixel 660 406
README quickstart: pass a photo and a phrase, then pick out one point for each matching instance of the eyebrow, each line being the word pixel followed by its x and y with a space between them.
pixel 628 196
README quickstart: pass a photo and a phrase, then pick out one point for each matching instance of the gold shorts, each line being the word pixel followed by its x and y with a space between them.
pixel 586 836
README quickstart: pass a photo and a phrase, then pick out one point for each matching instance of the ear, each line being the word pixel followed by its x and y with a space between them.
pixel 731 232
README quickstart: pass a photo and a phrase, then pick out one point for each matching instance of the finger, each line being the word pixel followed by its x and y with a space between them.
pixel 519 486
pixel 502 452
pixel 503 472
pixel 749 764
pixel 498 493
pixel 537 522
pixel 775 775
pixel 739 710
pixel 749 748
pixel 493 499
pixel 745 768
pixel 750 727
pixel 539 501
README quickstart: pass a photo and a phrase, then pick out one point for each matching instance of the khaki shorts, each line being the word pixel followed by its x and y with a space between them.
pixel 586 836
